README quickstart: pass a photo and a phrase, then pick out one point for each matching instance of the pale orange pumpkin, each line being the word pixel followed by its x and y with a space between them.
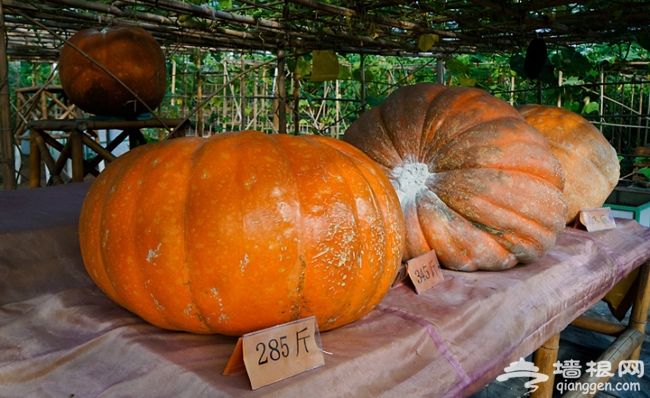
pixel 476 183
pixel 590 163
pixel 243 231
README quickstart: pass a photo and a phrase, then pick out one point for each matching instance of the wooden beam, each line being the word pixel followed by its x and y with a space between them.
pixel 34 160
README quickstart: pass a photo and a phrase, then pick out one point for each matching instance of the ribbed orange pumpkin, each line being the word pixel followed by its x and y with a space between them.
pixel 128 52
pixel 243 231
pixel 476 183
pixel 590 164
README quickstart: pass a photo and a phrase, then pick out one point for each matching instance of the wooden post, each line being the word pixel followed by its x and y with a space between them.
pixel 639 316
pixel 440 71
pixel 362 71
pixel 34 161
pixel 544 358
pixel 6 132
pixel 512 90
pixel 77 156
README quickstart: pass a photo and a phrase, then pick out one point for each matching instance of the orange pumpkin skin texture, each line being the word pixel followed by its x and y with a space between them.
pixel 131 54
pixel 476 183
pixel 590 164
pixel 243 231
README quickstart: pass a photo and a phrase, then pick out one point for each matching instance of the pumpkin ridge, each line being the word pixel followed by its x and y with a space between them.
pixel 382 125
pixel 377 210
pixel 131 303
pixel 298 303
pixel 198 310
pixel 329 151
pixel 112 293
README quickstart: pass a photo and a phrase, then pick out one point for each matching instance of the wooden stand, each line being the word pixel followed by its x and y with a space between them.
pixel 626 346
pixel 80 132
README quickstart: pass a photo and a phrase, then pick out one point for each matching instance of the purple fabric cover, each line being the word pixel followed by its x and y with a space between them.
pixel 60 335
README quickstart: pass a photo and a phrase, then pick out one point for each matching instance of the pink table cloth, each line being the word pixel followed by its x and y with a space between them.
pixel 60 335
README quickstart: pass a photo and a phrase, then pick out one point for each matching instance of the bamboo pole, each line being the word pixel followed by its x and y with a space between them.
pixel 224 102
pixel 440 71
pixel 544 357
pixel 601 78
pixel 199 96
pixel 296 99
pixel 362 71
pixel 281 110
pixel 7 133
pixel 597 325
pixel 512 90
pixel 173 88
pixel 337 95
pixel 559 83
pixel 242 96
pixel 619 350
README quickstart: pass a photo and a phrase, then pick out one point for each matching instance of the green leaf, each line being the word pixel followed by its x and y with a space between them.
pixel 325 66
pixel 427 41
pixel 224 4
pixel 517 64
pixel 645 171
pixel 591 107
pixel 344 72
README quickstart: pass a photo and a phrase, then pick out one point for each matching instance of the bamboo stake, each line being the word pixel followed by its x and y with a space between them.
pixel 7 133
pixel 601 78
pixel 173 88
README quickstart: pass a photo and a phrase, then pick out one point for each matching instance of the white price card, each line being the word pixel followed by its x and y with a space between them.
pixel 278 352
pixel 597 219
pixel 424 271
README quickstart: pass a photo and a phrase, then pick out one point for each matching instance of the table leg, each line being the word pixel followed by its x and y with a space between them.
pixel 544 358
pixel 34 161
pixel 639 316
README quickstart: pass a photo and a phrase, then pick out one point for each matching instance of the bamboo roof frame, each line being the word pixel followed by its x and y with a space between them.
pixel 385 27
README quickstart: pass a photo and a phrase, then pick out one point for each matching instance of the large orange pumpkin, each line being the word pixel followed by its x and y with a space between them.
pixel 131 54
pixel 243 231
pixel 476 183
pixel 590 164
